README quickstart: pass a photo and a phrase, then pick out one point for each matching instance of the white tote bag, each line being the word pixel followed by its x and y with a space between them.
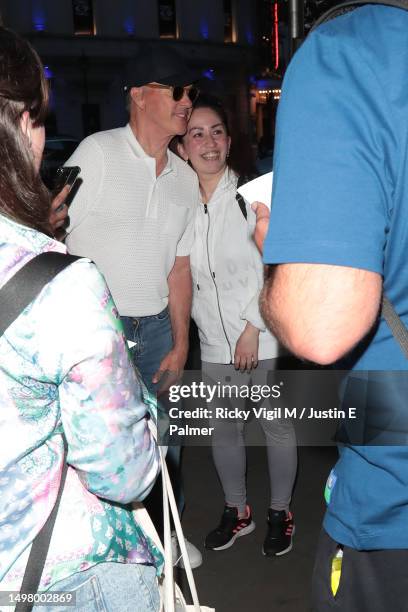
pixel 172 599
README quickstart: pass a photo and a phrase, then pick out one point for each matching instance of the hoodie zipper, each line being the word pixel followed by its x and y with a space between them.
pixel 212 274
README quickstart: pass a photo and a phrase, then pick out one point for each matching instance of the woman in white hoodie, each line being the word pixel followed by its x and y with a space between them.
pixel 236 347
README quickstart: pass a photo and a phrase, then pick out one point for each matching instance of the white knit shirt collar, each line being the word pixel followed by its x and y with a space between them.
pixel 141 153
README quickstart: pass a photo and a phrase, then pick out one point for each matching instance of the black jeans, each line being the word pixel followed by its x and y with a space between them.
pixel 370 581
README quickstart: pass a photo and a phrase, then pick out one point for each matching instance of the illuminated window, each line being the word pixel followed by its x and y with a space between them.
pixel 229 29
pixel 167 19
pixel 39 20
pixel 83 17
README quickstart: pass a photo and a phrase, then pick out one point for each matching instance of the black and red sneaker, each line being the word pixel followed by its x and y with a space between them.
pixel 281 528
pixel 230 528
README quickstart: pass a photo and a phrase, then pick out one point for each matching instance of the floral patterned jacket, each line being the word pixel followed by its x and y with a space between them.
pixel 64 366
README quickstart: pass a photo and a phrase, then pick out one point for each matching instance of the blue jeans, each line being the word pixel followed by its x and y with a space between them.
pixel 153 340
pixel 110 587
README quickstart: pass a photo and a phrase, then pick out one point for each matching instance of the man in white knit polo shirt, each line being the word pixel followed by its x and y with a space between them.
pixel 133 216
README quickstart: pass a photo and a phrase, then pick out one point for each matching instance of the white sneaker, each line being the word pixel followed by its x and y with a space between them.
pixel 194 554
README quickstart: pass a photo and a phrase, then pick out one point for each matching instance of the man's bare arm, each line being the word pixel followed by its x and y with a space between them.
pixel 320 312
pixel 180 295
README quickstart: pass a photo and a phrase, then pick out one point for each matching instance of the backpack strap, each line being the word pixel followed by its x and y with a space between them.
pixel 19 291
pixel 346 7
pixel 242 179
pixel 40 546
pixel 399 331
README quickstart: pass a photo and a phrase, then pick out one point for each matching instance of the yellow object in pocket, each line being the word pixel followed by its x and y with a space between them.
pixel 336 570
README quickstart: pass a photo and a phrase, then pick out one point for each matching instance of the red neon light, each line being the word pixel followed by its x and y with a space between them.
pixel 276 34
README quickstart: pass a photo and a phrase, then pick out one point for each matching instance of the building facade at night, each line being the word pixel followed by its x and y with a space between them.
pixel 86 44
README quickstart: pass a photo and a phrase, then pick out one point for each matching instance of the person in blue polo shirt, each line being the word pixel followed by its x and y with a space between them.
pixel 338 233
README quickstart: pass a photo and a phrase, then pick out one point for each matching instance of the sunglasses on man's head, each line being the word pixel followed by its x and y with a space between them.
pixel 178 91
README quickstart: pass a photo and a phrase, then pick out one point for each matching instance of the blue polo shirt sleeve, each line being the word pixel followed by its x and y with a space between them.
pixel 331 189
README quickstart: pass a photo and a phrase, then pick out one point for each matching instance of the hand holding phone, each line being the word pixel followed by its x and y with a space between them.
pixel 65 179
pixel 65 175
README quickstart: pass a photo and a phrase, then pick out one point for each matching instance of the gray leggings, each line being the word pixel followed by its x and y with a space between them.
pixel 229 445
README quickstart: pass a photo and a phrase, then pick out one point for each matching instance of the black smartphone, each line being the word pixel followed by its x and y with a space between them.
pixel 65 175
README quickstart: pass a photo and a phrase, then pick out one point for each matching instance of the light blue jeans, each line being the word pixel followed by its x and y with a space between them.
pixel 110 587
pixel 153 340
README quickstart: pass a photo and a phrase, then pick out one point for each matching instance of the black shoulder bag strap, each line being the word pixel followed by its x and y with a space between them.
pixel 241 202
pixel 21 289
pixel 15 296
pixel 399 331
pixel 346 7
pixel 242 179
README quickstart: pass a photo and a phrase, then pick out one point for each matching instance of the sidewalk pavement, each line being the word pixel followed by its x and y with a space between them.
pixel 241 579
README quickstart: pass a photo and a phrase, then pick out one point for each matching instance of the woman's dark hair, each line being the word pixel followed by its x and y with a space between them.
pixel 208 101
pixel 23 87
